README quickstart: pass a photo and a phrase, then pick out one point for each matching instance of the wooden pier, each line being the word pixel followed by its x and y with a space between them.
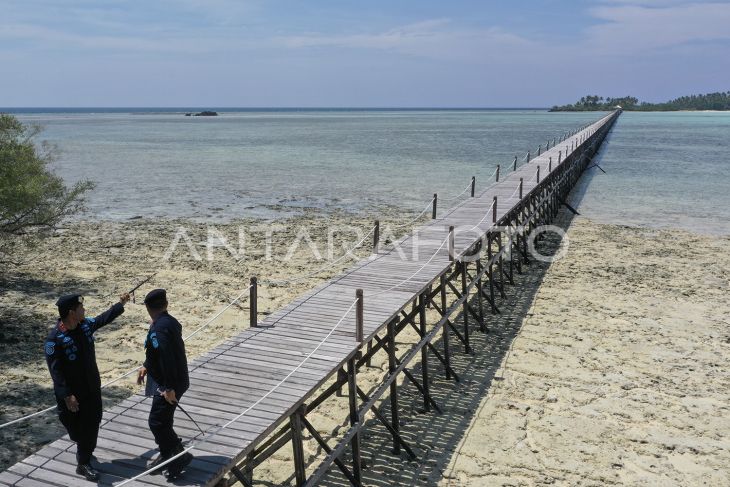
pixel 251 395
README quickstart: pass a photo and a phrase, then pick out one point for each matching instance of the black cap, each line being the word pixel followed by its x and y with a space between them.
pixel 69 301
pixel 156 297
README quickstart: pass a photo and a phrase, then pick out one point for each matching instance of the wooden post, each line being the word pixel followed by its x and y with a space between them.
pixel 539 147
pixel 376 236
pixel 480 301
pixel 435 202
pixel 497 173
pixel 253 302
pixel 473 185
pixel 359 334
pixel 560 156
pixel 394 385
pixel 494 210
pixel 451 243
pixel 501 264
pixel 538 174
pixel 547 146
pixel 354 420
pixel 528 156
pixel 445 329
pixel 490 254
pixel 300 471
pixel 248 469
pixel 550 164
pixel 520 188
pixel 424 353
pixel 464 307
pixel 514 164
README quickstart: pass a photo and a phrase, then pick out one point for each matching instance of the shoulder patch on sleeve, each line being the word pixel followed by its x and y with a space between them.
pixel 50 348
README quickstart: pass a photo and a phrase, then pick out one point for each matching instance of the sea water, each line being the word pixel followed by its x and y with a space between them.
pixel 662 169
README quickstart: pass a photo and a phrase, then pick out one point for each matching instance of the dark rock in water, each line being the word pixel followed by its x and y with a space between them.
pixel 138 217
pixel 188 114
pixel 207 113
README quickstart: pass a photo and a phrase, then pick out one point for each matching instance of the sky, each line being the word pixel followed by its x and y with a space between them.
pixel 365 53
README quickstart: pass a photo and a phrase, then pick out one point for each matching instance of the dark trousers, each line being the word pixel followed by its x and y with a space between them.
pixel 160 421
pixel 83 428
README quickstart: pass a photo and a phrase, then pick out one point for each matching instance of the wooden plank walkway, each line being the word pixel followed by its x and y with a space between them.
pixel 262 371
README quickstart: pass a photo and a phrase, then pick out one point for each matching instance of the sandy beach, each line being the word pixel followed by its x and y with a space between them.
pixel 606 367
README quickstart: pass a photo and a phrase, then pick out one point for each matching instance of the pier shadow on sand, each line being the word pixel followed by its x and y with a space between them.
pixel 436 438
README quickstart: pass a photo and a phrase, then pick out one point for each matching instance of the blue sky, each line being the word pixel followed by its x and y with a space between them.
pixel 358 53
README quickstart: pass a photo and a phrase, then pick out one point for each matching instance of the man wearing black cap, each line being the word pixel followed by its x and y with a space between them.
pixel 71 360
pixel 166 364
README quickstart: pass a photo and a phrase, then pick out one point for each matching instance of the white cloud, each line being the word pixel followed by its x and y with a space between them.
pixel 47 38
pixel 640 28
pixel 436 38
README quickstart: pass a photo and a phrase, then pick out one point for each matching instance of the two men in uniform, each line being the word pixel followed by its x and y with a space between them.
pixel 71 360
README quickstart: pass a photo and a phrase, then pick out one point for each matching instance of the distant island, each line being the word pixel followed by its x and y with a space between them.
pixel 205 113
pixel 710 101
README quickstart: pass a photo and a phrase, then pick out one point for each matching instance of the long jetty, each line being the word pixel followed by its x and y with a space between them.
pixel 251 395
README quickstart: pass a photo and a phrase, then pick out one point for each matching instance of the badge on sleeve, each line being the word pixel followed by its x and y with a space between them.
pixel 50 348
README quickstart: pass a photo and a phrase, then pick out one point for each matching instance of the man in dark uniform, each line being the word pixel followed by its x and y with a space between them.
pixel 71 360
pixel 166 364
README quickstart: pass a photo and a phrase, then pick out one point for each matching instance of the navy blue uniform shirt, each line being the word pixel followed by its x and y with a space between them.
pixel 71 357
pixel 165 359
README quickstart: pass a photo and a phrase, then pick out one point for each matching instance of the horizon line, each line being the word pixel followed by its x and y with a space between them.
pixel 209 107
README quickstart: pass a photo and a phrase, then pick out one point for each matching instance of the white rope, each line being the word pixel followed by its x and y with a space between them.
pixel 244 412
pixel 135 369
pixel 486 214
pixel 454 197
pixel 27 417
pixel 414 274
pixel 428 206
pixel 321 269
pixel 207 323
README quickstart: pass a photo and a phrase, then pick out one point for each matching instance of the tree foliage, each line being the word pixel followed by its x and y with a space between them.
pixel 33 200
pixel 710 101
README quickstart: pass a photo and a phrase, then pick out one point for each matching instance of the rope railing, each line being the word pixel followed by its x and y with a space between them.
pixel 324 267
pixel 468 186
pixel 210 435
pixel 135 369
pixel 414 274
pixel 429 205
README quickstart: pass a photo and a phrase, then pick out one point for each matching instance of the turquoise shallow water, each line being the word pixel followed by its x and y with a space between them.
pixel 664 169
